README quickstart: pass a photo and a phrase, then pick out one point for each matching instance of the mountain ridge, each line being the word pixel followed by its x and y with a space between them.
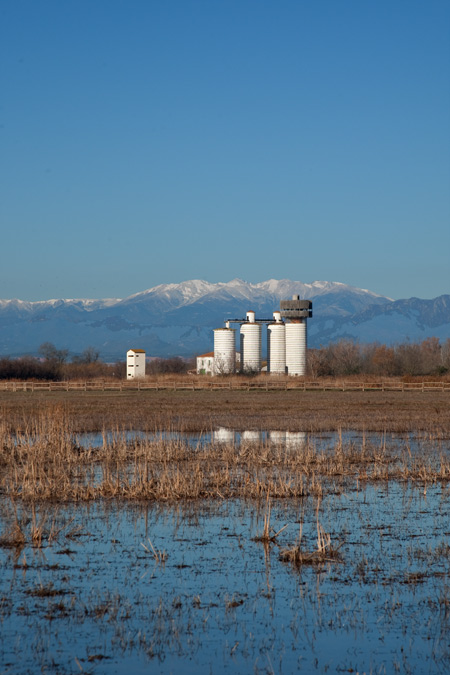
pixel 178 319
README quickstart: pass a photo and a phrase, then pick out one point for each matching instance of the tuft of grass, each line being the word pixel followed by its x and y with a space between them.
pixel 325 551
pixel 158 555
pixel 269 534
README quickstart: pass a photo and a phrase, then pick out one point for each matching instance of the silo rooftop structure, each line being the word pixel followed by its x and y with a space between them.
pixel 296 309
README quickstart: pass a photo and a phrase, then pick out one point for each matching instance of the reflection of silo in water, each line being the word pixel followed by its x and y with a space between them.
pixel 251 345
pixel 276 346
pixel 251 436
pixel 277 437
pixel 224 436
pixel 295 439
pixel 224 351
pixel 296 347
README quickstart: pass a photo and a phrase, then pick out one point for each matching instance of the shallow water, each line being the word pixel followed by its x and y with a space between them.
pixel 237 438
pixel 223 602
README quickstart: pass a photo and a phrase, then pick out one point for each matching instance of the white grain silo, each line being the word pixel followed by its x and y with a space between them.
pixel 296 311
pixel 296 348
pixel 276 346
pixel 251 345
pixel 224 351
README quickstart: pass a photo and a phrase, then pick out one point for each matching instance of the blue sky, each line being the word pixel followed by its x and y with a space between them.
pixel 148 141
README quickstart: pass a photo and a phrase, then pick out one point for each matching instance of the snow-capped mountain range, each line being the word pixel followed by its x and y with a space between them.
pixel 178 319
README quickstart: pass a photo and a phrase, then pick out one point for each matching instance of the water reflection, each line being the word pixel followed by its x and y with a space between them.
pixel 277 436
pixel 295 439
pixel 251 436
pixel 382 609
pixel 225 436
pixel 222 435
pixel 291 440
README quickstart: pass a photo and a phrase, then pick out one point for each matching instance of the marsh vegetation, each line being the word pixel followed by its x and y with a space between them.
pixel 259 552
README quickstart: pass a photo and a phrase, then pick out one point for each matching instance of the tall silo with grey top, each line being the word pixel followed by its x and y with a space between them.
pixel 296 312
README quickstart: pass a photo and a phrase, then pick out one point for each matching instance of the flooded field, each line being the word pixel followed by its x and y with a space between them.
pixel 197 587
pixel 234 551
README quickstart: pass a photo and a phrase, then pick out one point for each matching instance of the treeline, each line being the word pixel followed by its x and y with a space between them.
pixel 347 357
pixel 29 368
pixel 343 358
pixel 54 365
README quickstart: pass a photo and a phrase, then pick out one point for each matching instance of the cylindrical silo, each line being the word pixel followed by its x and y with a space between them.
pixel 224 351
pixel 296 347
pixel 276 348
pixel 251 345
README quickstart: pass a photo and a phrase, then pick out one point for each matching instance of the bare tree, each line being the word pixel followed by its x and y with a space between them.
pixel 51 353
pixel 90 355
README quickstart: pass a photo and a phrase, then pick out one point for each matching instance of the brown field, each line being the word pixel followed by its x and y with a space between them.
pixel 42 459
pixel 48 462
pixel 205 410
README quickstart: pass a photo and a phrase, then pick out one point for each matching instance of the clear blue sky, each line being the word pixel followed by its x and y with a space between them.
pixel 155 141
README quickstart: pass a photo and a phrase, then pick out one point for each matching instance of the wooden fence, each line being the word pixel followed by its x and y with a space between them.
pixel 214 384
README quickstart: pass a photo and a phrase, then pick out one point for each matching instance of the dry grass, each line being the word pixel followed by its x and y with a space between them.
pixel 47 463
pixel 325 551
pixel 159 556
pixel 269 534
pixel 204 410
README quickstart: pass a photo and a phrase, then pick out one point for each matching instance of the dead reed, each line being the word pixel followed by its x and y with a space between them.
pixel 46 462
pixel 159 556
pixel 269 534
pixel 325 551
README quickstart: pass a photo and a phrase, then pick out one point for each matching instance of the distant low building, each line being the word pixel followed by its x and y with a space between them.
pixel 205 364
pixel 135 363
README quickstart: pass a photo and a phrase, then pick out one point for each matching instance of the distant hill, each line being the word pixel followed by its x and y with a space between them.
pixel 178 319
